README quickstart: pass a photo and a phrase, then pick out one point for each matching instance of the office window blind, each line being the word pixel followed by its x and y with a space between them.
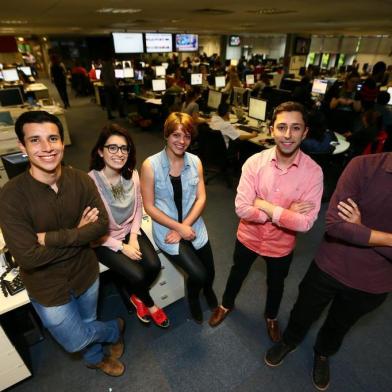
pixel 369 45
pixel 316 45
pixel 349 45
pixel 331 45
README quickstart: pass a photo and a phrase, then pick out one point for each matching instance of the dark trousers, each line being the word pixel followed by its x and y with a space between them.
pixel 277 271
pixel 113 100
pixel 198 265
pixel 316 291
pixel 137 274
pixel 62 89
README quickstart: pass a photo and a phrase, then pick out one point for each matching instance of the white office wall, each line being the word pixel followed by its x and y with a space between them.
pixel 372 59
pixel 272 46
pixel 210 44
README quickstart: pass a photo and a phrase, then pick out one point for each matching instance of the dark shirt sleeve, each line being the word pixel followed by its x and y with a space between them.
pixel 21 238
pixel 349 186
pixel 65 238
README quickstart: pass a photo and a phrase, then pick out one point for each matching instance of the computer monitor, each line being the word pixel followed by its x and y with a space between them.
pixel 158 85
pixel 250 79
pixel 128 73
pixel 220 81
pixel 196 79
pixel 214 99
pixel 11 97
pixel 160 71
pixel 25 70
pixel 98 74
pixel 15 164
pixel 187 42
pixel 239 96
pixel 390 93
pixel 6 119
pixel 119 73
pixel 257 108
pixel 10 75
pixel 165 65
pixel 128 42
pixel 159 42
pixel 319 86
pixel 139 74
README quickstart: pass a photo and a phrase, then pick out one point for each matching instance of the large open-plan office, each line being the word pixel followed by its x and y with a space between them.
pixel 197 197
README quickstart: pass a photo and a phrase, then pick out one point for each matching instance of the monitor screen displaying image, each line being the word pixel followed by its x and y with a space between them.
pixel 196 79
pixel 128 42
pixel 128 73
pixel 10 75
pixel 158 85
pixel 187 42
pixel 257 108
pixel 165 65
pixel 234 40
pixel 214 99
pixel 160 70
pixel 319 86
pixel 11 97
pixel 98 74
pixel 220 81
pixel 250 79
pixel 26 70
pixel 159 42
pixel 390 93
pixel 119 73
pixel 139 74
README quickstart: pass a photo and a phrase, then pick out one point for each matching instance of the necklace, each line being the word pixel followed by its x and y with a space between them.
pixel 117 190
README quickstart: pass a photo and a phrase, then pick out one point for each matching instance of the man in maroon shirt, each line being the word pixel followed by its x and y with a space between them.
pixel 352 268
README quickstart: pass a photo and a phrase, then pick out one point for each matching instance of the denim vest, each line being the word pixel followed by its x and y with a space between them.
pixel 164 199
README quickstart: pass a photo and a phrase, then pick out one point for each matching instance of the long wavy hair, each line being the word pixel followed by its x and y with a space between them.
pixel 97 162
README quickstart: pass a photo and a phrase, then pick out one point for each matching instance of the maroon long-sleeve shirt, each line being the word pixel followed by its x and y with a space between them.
pixel 345 253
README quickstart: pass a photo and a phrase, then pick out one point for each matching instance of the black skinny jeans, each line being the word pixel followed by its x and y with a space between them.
pixel 277 271
pixel 316 291
pixel 198 265
pixel 138 274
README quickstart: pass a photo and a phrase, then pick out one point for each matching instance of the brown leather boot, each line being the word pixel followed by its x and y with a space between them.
pixel 116 350
pixel 218 315
pixel 273 329
pixel 110 366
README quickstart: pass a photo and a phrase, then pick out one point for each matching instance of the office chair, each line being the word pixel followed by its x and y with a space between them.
pixel 216 159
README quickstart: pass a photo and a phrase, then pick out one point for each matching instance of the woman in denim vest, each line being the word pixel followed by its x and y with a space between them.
pixel 174 196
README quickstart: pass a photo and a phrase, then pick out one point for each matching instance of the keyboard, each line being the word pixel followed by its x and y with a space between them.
pixel 248 128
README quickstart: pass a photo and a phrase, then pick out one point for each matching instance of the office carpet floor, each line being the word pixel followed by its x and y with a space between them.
pixel 188 357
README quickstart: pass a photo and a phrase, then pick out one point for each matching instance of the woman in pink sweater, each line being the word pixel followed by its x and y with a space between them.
pixel 125 249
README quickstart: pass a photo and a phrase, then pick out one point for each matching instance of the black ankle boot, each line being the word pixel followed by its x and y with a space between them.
pixel 211 299
pixel 196 312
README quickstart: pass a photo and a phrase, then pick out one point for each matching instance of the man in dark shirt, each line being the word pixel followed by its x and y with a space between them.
pixel 353 265
pixel 48 216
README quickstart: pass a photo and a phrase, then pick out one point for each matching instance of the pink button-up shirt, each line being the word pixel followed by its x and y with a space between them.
pixel 261 177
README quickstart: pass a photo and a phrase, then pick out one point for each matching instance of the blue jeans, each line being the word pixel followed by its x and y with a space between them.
pixel 75 327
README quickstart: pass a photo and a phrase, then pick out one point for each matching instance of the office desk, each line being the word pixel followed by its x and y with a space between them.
pixel 39 90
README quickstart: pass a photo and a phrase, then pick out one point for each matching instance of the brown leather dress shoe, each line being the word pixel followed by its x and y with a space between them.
pixel 110 366
pixel 218 315
pixel 273 330
pixel 116 350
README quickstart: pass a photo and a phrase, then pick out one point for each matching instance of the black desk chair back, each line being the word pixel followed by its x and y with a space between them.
pixel 214 155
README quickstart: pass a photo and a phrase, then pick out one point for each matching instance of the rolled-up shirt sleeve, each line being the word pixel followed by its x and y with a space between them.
pixel 246 195
pixel 295 221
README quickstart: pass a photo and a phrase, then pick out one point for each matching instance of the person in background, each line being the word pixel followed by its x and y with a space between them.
pixel 190 106
pixel 352 270
pixel 174 196
pixel 274 203
pixel 221 122
pixel 58 75
pixel 125 249
pixel 48 216
pixel 112 93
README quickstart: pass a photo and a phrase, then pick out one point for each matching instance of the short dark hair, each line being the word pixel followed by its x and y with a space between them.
pixel 383 97
pixel 223 108
pixel 36 117
pixel 290 106
pixel 97 162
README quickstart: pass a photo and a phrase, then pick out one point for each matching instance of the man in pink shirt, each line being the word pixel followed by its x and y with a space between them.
pixel 278 195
